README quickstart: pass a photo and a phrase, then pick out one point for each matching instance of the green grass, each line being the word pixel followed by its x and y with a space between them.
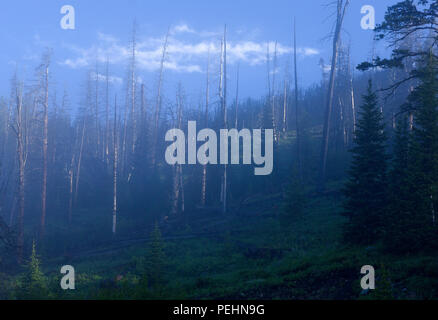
pixel 264 256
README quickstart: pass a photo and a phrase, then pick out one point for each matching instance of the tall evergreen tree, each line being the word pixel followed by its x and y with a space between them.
pixel 366 188
pixel 424 164
pixel 401 204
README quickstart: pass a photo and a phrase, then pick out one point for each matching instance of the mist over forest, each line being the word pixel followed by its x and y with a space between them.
pixel 91 174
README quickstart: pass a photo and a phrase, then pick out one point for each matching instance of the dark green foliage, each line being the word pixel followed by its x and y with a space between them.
pixel 366 187
pixel 156 260
pixel 399 215
pixel 410 217
pixel 424 159
pixel 33 283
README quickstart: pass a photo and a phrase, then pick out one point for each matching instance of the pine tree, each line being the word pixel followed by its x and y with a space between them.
pixel 34 284
pixel 401 204
pixel 366 188
pixel 424 163
pixel 156 261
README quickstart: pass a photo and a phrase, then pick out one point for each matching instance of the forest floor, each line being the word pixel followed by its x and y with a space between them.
pixel 252 254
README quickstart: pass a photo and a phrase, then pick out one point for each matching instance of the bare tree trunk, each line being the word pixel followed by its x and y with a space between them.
pixel 297 114
pixel 237 99
pixel 341 9
pixel 223 98
pixel 285 106
pixel 107 124
pixel 96 110
pixel 21 177
pixel 353 101
pixel 78 170
pixel 177 171
pixel 175 191
pixel 204 167
pixel 6 133
pixel 55 127
pixel 71 178
pixel 142 108
pixel 45 145
pixel 342 120
pixel 273 96
pixel 268 66
pixel 133 87
pixel 115 161
pixel 125 133
pixel 158 102
pixel 70 193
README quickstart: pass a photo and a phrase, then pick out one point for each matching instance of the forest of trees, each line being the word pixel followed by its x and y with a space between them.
pixel 70 180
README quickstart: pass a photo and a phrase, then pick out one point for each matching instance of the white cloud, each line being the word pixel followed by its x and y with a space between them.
pixel 183 55
pixel 182 28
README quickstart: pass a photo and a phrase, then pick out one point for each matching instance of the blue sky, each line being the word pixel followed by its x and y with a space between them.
pixel 104 29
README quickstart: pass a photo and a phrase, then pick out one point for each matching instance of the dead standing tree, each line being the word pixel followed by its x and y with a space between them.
pixel 19 130
pixel 341 8
pixel 133 89
pixel 273 93
pixel 159 100
pixel 115 163
pixel 45 84
pixel 236 118
pixel 297 121
pixel 107 123
pixel 178 186
pixel 223 102
pixel 96 109
pixel 204 167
